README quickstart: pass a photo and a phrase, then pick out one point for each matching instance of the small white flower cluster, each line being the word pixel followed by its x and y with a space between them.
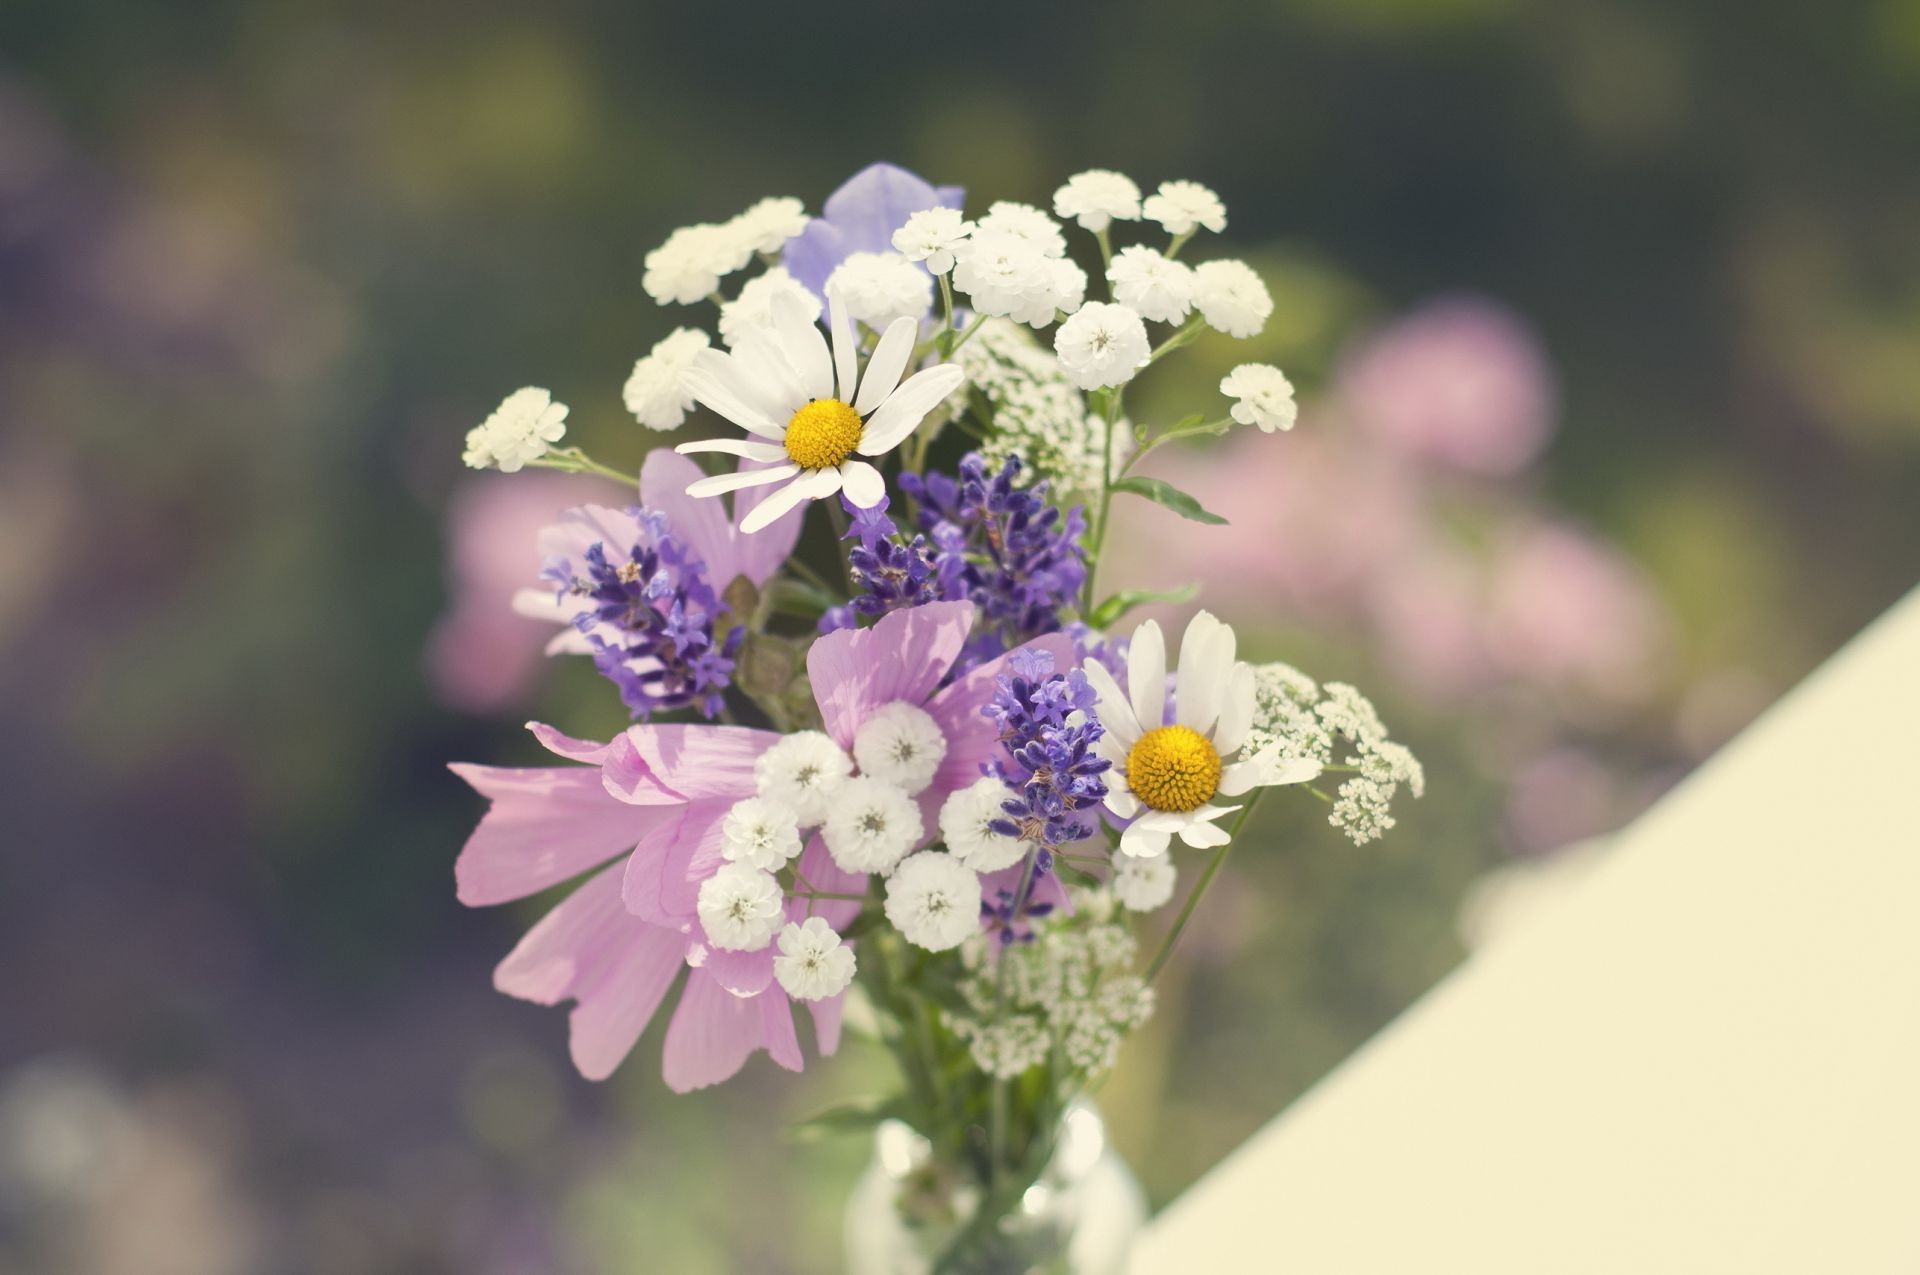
pixel 1011 263
pixel 654 392
pixel 879 287
pixel 1295 717
pixel 1072 987
pixel 688 267
pixel 521 430
pixel 1038 414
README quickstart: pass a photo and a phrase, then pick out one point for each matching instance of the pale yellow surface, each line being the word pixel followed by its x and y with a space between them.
pixel 1706 1059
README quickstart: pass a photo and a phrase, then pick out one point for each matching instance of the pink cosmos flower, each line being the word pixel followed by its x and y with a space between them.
pixel 644 812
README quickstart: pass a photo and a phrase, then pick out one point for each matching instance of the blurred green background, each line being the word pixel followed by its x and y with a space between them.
pixel 261 266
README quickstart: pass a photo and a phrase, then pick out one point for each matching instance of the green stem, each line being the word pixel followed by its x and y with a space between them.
pixel 571 460
pixel 967 335
pixel 1099 538
pixel 1200 888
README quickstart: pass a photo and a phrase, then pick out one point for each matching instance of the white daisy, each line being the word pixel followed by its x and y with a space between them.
pixel 1231 297
pixel 1142 885
pixel 813 963
pixel 1097 198
pixel 930 237
pixel 741 908
pixel 1181 206
pixel 879 287
pixel 693 260
pixel 803 772
pixel 934 901
pixel 900 744
pixel 761 833
pixel 1160 288
pixel 1166 775
pixel 753 308
pixel 1265 396
pixel 871 825
pixel 966 825
pixel 1102 344
pixel 525 425
pixel 654 392
pixel 784 386
pixel 768 225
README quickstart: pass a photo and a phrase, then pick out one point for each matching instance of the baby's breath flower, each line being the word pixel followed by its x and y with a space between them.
pixel 1181 206
pixel 931 235
pixel 1231 297
pixel 1102 344
pixel 966 825
pixel 1028 223
pixel 871 825
pixel 1005 273
pixel 1265 397
pixel 768 225
pixel 753 308
pixel 813 963
pixel 803 772
pixel 741 908
pixel 1097 198
pixel 900 744
pixel 654 392
pixel 934 901
pixel 1142 885
pixel 879 287
pixel 693 260
pixel 519 431
pixel 760 833
pixel 1160 288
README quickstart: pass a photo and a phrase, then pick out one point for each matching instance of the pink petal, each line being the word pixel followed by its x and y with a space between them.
pixel 616 970
pixel 701 525
pixel 646 866
pixel 712 1034
pixel 546 824
pixel 776 1030
pixel 826 1022
pixel 903 657
pixel 665 888
pixel 818 867
pixel 742 973
pixel 583 750
pixel 685 762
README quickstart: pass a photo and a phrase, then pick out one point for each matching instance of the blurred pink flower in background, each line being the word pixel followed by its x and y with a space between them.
pixel 481 656
pixel 1459 381
pixel 1565 608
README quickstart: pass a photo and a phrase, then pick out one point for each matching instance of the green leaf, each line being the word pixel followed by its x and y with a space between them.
pixel 1166 494
pixel 852 1117
pixel 1127 599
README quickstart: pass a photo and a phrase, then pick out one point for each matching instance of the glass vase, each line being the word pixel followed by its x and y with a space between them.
pixel 911 1215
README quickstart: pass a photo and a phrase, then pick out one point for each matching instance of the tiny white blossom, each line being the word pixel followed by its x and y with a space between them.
pixel 803 772
pixel 1029 223
pixel 930 237
pixel 520 430
pixel 813 963
pixel 1181 206
pixel 741 908
pixel 934 901
pixel 1102 344
pixel 900 744
pixel 966 825
pixel 1142 885
pixel 1002 272
pixel 879 287
pixel 753 308
pixel 693 260
pixel 654 392
pixel 1231 297
pixel 760 833
pixel 871 825
pixel 1097 198
pixel 1265 397
pixel 1160 288
pixel 768 225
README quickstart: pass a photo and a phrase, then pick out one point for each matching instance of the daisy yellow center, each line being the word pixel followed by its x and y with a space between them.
pixel 822 434
pixel 1173 768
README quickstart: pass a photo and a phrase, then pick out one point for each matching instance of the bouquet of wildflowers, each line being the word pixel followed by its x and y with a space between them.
pixel 918 774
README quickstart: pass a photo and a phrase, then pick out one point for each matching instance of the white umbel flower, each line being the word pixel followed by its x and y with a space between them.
pixel 879 287
pixel 900 744
pixel 1231 297
pixel 1028 223
pixel 803 772
pixel 768 225
pixel 966 825
pixel 797 398
pixel 753 308
pixel 522 429
pixel 934 901
pixel 1160 288
pixel 1265 397
pixel 813 963
pixel 1181 207
pixel 654 392
pixel 1142 885
pixel 1102 344
pixel 871 825
pixel 760 833
pixel 931 235
pixel 1166 775
pixel 1097 198
pixel 741 908
pixel 693 260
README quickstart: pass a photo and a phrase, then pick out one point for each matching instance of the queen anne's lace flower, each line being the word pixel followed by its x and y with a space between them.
pixel 519 431
pixel 1265 397
pixel 934 901
pixel 1097 198
pixel 1142 885
pixel 693 260
pixel 879 287
pixel 752 310
pixel 1231 297
pixel 1102 344
pixel 1295 718
pixel 1160 288
pixel 768 225
pixel 900 744
pixel 654 392
pixel 813 963
pixel 1039 415
pixel 760 833
pixel 931 236
pixel 967 826
pixel 741 908
pixel 871 825
pixel 804 772
pixel 1182 206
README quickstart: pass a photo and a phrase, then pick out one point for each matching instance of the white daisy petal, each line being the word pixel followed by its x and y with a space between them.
pixel 862 483
pixel 1204 836
pixel 1196 693
pixel 717 381
pixel 888 361
pixel 1147 675
pixel 1116 714
pixel 816 484
pixel 1242 776
pixel 1124 804
pixel 845 352
pixel 805 347
pixel 1143 843
pixel 734 447
pixel 763 355
pixel 907 406
pixel 1236 710
pixel 719 484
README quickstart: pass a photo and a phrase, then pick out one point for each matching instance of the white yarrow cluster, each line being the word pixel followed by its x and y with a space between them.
pixel 1155 285
pixel 966 826
pixel 521 430
pixel 741 908
pixel 1231 297
pixel 932 236
pixel 1097 198
pixel 1181 207
pixel 752 309
pixel 766 227
pixel 934 901
pixel 803 772
pixel 900 744
pixel 879 287
pixel 1264 394
pixel 1039 414
pixel 871 825
pixel 655 392
pixel 1013 265
pixel 690 264
pixel 1073 983
pixel 813 962
pixel 1103 344
pixel 760 833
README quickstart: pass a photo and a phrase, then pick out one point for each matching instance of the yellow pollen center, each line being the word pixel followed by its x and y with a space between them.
pixel 1173 768
pixel 822 434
